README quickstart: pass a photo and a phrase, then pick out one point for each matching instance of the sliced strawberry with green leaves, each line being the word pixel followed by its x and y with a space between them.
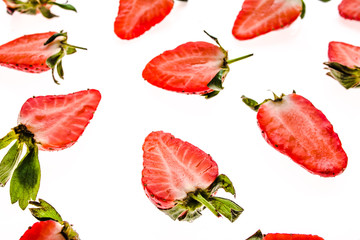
pixel 344 64
pixel 47 123
pixel 191 68
pixel 181 179
pixel 350 9
pixel 37 53
pixel 293 126
pixel 34 7
pixel 283 236
pixel 50 225
pixel 136 17
pixel 258 17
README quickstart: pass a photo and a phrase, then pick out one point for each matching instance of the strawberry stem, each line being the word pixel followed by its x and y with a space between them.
pixel 198 197
pixel 239 58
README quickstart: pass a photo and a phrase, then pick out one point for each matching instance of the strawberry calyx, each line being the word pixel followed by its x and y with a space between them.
pixel 190 208
pixel 216 83
pixel 348 77
pixel 256 236
pixel 254 105
pixel 55 61
pixel 33 7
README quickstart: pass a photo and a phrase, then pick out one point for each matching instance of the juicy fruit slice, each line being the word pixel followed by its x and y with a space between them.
pixel 34 7
pixel 283 236
pixel 47 230
pixel 58 121
pixel 344 63
pixel 135 17
pixel 191 68
pixel 258 17
pixel 180 179
pixel 37 53
pixel 46 123
pixel 294 127
pixel 350 9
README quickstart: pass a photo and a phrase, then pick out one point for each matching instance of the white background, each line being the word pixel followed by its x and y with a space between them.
pixel 96 184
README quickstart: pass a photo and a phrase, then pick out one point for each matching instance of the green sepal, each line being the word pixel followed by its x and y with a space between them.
pixel 256 236
pixel 54 36
pixel 210 94
pixel 182 213
pixel 53 60
pixel 222 181
pixel 60 70
pixel 303 9
pixel 25 182
pixel 346 76
pixel 44 211
pixel 70 50
pixel 9 162
pixel 5 141
pixel 324 0
pixel 254 105
pixel 216 82
pixel 64 6
pixel 226 208
pixel 46 12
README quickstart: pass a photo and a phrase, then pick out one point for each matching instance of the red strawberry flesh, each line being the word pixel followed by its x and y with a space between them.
pixel 350 9
pixel 173 168
pixel 344 53
pixel 45 230
pixel 289 236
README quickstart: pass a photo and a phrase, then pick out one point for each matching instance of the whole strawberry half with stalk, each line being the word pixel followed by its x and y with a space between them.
pixel 283 236
pixel 51 226
pixel 136 17
pixel 48 123
pixel 181 179
pixel 37 53
pixel 293 126
pixel 350 9
pixel 344 64
pixel 34 7
pixel 192 68
pixel 258 17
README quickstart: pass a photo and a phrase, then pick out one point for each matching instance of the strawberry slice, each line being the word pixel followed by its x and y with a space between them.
pixel 283 236
pixel 47 123
pixel 37 53
pixel 191 68
pixel 258 17
pixel 293 126
pixel 350 9
pixel 136 17
pixel 34 7
pixel 180 179
pixel 50 225
pixel 344 64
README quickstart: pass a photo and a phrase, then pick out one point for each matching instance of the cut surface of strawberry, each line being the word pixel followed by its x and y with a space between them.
pixel 46 123
pixel 36 53
pixel 191 68
pixel 350 9
pixel 135 17
pixel 293 126
pixel 283 236
pixel 258 17
pixel 344 63
pixel 180 179
pixel 34 7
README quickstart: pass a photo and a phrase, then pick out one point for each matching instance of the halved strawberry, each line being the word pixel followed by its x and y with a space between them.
pixel 258 17
pixel 37 53
pixel 283 236
pixel 191 68
pixel 350 9
pixel 50 225
pixel 344 64
pixel 47 123
pixel 136 17
pixel 34 7
pixel 293 126
pixel 181 180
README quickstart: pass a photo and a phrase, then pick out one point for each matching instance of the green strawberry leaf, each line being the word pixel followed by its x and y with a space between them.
pixel 210 94
pixel 216 82
pixel 182 213
pixel 226 208
pixel 44 211
pixel 64 6
pixel 25 182
pixel 303 9
pixel 346 76
pixel 9 162
pixel 256 236
pixel 222 181
pixel 60 70
pixel 5 141
pixel 254 105
pixel 54 36
pixel 46 12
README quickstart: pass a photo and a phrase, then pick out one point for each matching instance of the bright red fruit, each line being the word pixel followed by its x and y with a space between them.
pixel 180 179
pixel 350 9
pixel 135 17
pixel 37 53
pixel 191 68
pixel 34 7
pixel 294 127
pixel 283 236
pixel 47 230
pixel 344 63
pixel 47 123
pixel 258 17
